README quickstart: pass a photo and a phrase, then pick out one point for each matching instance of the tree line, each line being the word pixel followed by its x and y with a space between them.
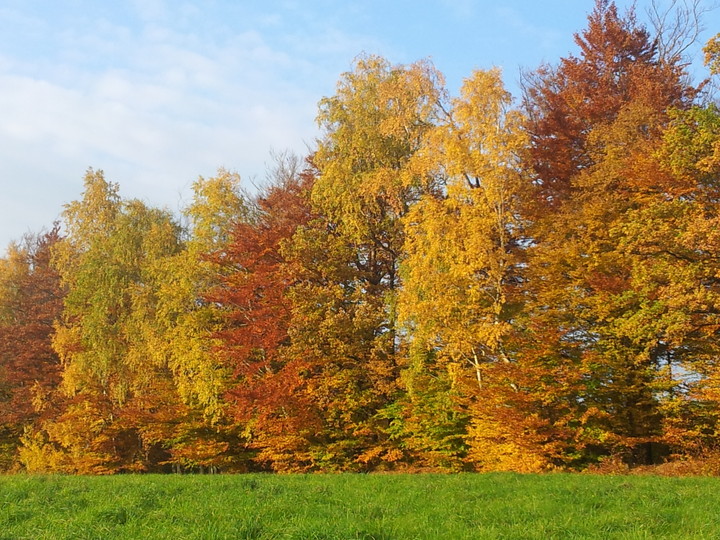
pixel 445 283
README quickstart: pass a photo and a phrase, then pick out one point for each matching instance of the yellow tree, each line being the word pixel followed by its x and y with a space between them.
pixel 462 273
pixel 186 342
pixel 184 338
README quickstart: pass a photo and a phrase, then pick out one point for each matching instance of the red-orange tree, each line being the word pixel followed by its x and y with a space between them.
pixel 618 63
pixel 31 299
pixel 594 124
pixel 265 395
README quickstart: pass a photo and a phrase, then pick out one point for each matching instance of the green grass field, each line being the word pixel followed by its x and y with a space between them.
pixel 359 506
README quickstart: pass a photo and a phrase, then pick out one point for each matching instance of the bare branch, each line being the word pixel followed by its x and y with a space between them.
pixel 284 167
pixel 677 27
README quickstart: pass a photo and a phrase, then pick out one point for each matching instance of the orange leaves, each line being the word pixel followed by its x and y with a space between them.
pixel 618 65
pixel 30 301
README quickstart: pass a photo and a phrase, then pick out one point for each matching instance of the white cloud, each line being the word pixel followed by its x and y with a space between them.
pixel 156 105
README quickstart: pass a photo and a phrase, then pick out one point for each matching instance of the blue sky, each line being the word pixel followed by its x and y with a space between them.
pixel 159 92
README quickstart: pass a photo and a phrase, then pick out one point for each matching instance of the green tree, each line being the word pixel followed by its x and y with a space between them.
pixel 103 336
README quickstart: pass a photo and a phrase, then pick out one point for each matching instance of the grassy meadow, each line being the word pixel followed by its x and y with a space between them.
pixel 358 507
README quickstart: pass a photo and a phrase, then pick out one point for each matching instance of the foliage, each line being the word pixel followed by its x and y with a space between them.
pixel 596 126
pixel 264 391
pixel 618 63
pixel 346 261
pixel 188 322
pixel 30 300
pixel 463 258
pixel 445 283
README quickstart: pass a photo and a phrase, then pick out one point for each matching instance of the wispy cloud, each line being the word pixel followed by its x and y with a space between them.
pixel 157 92
pixel 156 100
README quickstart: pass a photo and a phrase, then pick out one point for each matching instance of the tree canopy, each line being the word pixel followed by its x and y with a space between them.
pixel 445 282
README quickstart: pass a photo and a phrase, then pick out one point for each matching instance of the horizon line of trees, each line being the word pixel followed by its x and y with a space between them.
pixel 445 283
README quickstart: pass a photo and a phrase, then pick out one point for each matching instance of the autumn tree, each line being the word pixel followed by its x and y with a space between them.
pixel 30 301
pixel 618 64
pixel 444 284
pixel 102 336
pixel 346 261
pixel 463 292
pixel 218 206
pixel 672 242
pixel 594 124
pixel 264 394
pixel 184 338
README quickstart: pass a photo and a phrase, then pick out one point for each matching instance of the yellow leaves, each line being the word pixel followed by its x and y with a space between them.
pixel 691 151
pixel 199 375
pixel 200 452
pixel 624 152
pixel 458 246
pixel 76 443
pixel 13 267
pixel 133 320
pixel 462 255
pixel 182 339
pixel 712 54
pixel 217 204
pixel 496 444
pixel 66 341
pixel 109 311
pixel 669 244
pixel 95 213
pixel 482 138
pixel 374 125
